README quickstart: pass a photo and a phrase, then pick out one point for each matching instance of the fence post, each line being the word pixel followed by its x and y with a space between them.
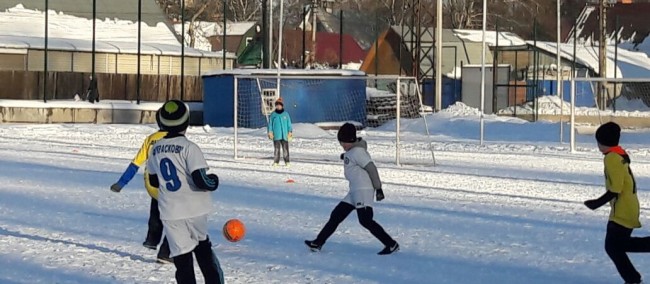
pixel 398 114
pixel 573 116
pixel 45 53
pixel 236 114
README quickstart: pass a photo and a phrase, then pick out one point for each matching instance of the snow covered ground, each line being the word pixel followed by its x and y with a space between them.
pixel 507 212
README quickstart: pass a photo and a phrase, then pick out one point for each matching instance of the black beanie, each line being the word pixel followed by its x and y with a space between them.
pixel 608 134
pixel 174 116
pixel 347 133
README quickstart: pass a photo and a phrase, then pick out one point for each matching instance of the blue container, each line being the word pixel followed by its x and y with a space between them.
pixel 307 100
pixel 451 92
pixel 585 96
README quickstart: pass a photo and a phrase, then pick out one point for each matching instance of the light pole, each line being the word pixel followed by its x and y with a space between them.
pixel 280 44
pixel 558 87
pixel 483 50
pixel 438 103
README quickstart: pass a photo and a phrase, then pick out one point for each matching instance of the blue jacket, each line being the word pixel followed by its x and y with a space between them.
pixel 280 126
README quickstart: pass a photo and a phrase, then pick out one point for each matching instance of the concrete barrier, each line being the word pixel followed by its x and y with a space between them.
pixel 105 112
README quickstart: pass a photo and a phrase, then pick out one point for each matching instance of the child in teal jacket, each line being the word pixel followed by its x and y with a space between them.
pixel 280 132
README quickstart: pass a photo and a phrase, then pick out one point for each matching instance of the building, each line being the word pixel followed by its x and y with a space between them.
pixel 70 46
pixel 209 35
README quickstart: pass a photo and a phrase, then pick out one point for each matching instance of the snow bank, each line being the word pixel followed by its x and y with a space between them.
pixel 461 109
pixel 103 104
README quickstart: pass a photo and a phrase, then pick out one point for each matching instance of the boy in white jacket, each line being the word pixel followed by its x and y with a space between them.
pixel 363 177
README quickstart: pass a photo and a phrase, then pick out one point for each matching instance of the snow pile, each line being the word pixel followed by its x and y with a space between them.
pixel 461 109
pixel 19 21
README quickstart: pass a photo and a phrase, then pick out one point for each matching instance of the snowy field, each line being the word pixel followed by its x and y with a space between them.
pixel 507 212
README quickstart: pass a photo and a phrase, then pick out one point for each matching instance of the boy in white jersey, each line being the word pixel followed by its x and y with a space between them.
pixel 179 170
pixel 363 177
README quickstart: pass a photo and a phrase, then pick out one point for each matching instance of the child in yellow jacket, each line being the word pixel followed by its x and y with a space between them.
pixel 622 197
pixel 155 232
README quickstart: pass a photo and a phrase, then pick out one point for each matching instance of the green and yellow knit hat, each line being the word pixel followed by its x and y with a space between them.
pixel 174 116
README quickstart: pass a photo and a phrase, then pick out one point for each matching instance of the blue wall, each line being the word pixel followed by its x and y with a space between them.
pixel 218 100
pixel 451 92
pixel 306 100
pixel 584 91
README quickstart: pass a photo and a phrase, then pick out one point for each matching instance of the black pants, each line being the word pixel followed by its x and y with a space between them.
pixel 208 263
pixel 618 243
pixel 365 214
pixel 155 232
pixel 284 144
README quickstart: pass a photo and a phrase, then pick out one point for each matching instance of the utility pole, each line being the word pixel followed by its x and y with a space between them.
pixel 438 98
pixel 267 23
pixel 314 12
pixel 602 55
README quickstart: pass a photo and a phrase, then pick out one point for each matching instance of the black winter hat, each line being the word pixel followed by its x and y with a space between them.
pixel 175 116
pixel 347 133
pixel 608 134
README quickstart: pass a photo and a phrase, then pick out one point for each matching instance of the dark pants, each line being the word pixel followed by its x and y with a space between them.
pixel 277 144
pixel 155 231
pixel 618 243
pixel 365 214
pixel 208 263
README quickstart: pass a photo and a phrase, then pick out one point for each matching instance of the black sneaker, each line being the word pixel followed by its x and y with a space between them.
pixel 313 246
pixel 389 250
pixel 150 245
pixel 164 260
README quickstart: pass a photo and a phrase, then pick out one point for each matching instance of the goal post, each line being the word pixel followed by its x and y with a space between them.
pixel 625 100
pixel 387 111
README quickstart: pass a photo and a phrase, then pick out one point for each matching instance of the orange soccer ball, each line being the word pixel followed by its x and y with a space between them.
pixel 234 230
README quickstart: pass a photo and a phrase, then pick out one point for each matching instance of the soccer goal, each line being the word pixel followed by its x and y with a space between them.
pixel 387 111
pixel 595 101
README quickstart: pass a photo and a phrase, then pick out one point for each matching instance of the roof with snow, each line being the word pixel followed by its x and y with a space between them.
pixel 215 29
pixel 20 20
pixel 20 44
pixel 632 20
pixel 630 64
pixel 491 37
pixel 204 30
pixel 22 28
pixel 126 10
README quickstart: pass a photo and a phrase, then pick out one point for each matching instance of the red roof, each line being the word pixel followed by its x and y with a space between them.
pixel 327 47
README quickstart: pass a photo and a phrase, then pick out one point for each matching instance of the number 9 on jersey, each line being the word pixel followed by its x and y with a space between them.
pixel 170 175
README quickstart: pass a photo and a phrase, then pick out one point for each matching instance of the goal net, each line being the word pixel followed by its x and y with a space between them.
pixel 595 101
pixel 393 124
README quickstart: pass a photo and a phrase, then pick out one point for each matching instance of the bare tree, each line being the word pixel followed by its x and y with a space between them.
pixel 243 10
pixel 463 14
